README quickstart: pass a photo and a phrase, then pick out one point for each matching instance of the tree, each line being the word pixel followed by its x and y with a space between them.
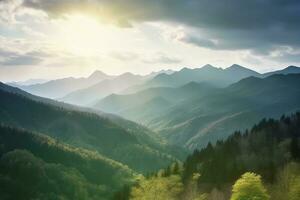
pixel 249 187
pixel 158 188
pixel 294 190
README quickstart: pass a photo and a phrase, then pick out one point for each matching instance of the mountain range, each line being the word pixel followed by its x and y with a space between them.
pixel 122 141
pixel 87 91
pixel 58 88
pixel 197 113
pixel 87 152
pixel 190 107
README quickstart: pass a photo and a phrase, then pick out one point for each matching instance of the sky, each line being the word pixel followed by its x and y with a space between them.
pixel 48 39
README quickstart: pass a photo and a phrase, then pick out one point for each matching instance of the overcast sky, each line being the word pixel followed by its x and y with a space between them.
pixel 57 38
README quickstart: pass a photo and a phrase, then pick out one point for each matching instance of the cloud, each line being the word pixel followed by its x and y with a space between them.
pixel 162 59
pixel 258 26
pixel 14 58
pixel 124 56
pixel 250 24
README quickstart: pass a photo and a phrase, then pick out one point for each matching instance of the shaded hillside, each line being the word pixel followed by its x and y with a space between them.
pixel 287 70
pixel 147 104
pixel 39 167
pixel 135 148
pixel 209 74
pixel 197 121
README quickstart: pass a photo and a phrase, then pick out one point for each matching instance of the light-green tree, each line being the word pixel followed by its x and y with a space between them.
pixel 158 188
pixel 249 187
pixel 294 190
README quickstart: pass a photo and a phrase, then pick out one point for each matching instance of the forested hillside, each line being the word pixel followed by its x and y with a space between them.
pixel 215 116
pixel 268 155
pixel 33 166
pixel 197 113
pixel 132 146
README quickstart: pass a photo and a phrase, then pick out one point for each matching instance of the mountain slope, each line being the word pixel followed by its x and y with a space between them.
pixel 60 87
pixel 208 73
pixel 90 94
pixel 287 70
pixel 144 105
pixel 137 149
pixel 38 166
pixel 196 122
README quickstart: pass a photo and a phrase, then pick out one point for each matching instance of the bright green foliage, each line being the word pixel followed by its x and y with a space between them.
pixel 158 188
pixel 249 187
pixel 294 192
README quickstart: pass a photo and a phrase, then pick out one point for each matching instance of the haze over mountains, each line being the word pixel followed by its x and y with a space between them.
pixel 171 112
pixel 60 87
pixel 103 88
pixel 190 107
pixel 87 91
pixel 195 114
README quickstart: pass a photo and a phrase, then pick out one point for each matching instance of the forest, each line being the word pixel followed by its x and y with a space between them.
pixel 261 163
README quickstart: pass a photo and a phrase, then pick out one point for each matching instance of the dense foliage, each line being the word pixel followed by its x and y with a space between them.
pixel 126 144
pixel 265 149
pixel 258 164
pixel 33 166
pixel 249 186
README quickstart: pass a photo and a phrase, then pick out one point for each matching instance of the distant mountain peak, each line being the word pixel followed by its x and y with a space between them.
pixel 185 69
pixel 97 74
pixel 236 67
pixel 292 67
pixel 191 84
pixel 127 74
pixel 208 66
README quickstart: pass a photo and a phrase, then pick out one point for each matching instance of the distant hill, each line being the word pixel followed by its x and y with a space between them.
pixel 60 87
pixel 151 102
pixel 36 166
pixel 127 143
pixel 196 122
pixel 207 73
pixel 287 70
pixel 90 94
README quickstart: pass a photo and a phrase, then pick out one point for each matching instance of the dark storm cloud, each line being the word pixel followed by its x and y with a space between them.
pixel 258 25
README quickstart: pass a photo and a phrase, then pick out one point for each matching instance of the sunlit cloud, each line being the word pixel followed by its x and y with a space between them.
pixel 79 36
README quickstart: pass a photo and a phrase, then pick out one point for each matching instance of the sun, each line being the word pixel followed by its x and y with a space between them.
pixel 82 35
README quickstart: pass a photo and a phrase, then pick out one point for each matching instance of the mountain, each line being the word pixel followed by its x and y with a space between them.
pixel 147 104
pixel 208 73
pixel 40 167
pixel 153 74
pixel 90 94
pixel 287 70
pixel 196 121
pixel 126 143
pixel 60 87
